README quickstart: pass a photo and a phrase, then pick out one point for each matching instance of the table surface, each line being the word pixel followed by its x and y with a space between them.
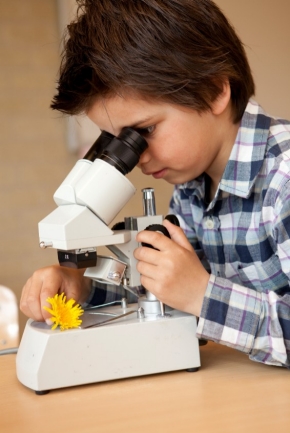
pixel 229 394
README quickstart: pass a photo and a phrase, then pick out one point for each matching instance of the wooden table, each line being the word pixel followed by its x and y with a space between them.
pixel 229 394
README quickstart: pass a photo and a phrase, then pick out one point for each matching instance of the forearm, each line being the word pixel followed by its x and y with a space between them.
pixel 253 322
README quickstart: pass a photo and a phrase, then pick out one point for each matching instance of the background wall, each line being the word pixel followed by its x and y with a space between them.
pixel 34 157
pixel 263 26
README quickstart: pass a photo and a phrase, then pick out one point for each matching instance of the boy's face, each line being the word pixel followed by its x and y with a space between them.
pixel 182 144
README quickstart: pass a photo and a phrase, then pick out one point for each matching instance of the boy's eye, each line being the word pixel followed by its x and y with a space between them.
pixel 146 131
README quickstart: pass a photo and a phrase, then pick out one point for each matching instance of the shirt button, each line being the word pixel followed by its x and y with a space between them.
pixel 209 224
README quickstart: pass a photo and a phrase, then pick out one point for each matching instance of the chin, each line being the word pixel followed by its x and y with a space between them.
pixel 175 181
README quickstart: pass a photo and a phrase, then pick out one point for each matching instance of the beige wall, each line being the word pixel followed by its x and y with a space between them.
pixel 34 157
pixel 263 26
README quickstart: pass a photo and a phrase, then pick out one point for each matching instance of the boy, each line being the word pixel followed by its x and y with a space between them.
pixel 176 71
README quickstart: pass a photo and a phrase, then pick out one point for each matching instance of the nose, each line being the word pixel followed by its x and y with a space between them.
pixel 144 158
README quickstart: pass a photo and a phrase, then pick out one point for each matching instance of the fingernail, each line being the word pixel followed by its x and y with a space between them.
pixel 48 322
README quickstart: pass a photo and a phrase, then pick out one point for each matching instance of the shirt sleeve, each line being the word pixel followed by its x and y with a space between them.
pixel 253 322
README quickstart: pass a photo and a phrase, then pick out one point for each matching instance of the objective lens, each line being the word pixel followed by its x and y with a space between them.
pixel 124 151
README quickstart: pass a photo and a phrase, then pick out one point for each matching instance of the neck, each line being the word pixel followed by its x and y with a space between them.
pixel 226 134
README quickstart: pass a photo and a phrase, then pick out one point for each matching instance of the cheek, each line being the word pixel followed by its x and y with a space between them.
pixel 163 147
pixel 173 151
pixel 162 154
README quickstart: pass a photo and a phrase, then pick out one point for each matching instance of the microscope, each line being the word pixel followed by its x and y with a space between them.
pixel 120 339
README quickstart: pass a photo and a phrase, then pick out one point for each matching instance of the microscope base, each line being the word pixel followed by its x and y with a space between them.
pixel 127 347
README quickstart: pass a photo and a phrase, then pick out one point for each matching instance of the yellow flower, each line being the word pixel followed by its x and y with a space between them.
pixel 64 314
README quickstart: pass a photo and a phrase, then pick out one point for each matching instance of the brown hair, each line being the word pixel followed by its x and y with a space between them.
pixel 177 51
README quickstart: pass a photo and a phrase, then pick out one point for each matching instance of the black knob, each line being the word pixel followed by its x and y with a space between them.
pixel 156 228
pixel 173 219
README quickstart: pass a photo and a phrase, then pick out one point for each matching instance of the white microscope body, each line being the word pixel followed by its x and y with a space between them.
pixel 117 341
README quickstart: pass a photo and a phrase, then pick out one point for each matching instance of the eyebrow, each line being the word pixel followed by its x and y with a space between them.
pixel 141 122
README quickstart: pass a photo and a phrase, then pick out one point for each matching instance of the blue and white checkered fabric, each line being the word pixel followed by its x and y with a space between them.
pixel 244 235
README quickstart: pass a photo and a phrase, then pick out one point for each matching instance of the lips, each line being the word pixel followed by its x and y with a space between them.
pixel 156 174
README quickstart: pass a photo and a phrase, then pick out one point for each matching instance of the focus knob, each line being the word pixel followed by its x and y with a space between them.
pixel 156 228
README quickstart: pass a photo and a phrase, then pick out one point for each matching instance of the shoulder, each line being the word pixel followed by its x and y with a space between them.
pixel 277 155
pixel 276 161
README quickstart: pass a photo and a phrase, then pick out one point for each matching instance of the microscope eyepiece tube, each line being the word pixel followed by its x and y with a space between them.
pixel 65 194
pixel 99 145
pixel 104 190
pixel 100 175
pixel 124 151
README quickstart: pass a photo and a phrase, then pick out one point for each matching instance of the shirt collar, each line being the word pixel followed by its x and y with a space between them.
pixel 248 152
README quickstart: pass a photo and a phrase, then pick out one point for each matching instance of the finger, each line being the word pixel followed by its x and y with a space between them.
pixel 177 235
pixel 30 304
pixel 147 255
pixel 148 283
pixel 158 240
pixel 73 283
pixel 42 285
pixel 50 288
pixel 154 287
pixel 147 269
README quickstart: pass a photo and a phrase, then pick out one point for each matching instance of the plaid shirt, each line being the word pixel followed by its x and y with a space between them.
pixel 244 235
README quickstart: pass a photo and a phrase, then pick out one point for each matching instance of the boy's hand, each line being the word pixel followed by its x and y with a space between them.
pixel 174 274
pixel 49 281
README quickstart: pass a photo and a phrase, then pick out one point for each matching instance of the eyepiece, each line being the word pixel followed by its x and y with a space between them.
pixel 124 151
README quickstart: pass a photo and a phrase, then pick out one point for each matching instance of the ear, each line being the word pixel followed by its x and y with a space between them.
pixel 222 101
